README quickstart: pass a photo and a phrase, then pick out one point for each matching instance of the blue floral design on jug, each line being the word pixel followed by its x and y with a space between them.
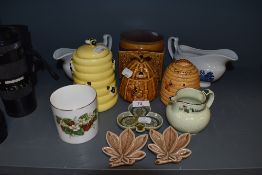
pixel 209 76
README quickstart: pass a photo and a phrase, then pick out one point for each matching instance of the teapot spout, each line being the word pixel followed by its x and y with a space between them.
pixel 62 53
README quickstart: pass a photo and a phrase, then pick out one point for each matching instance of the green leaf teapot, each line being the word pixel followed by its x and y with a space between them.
pixel 189 111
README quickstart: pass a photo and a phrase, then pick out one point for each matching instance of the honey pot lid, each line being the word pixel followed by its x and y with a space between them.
pixel 184 65
pixel 92 50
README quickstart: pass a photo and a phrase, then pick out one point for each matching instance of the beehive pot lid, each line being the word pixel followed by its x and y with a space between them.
pixel 88 51
pixel 183 66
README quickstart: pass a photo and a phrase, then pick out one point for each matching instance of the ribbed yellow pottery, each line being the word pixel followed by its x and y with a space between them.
pixel 92 64
pixel 179 74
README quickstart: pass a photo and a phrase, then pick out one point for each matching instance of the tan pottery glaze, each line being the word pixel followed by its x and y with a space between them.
pixel 142 85
pixel 179 74
pixel 141 40
pixel 169 147
pixel 124 149
pixel 142 44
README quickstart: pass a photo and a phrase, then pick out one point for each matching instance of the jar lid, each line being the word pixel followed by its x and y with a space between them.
pixel 141 40
pixel 92 50
pixel 141 36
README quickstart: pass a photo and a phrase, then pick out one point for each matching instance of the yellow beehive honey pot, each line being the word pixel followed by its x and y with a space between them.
pixel 179 74
pixel 92 64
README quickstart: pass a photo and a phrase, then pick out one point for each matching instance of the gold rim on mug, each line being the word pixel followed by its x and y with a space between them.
pixel 76 108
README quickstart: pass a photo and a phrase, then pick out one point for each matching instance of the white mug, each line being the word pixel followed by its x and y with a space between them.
pixel 75 112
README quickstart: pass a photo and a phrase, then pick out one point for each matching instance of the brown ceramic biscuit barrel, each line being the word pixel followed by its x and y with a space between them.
pixel 142 44
pixel 141 40
pixel 141 85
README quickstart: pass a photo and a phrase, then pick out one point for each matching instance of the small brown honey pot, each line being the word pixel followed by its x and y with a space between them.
pixel 179 74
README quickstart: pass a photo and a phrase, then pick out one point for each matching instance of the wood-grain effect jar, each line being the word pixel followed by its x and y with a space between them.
pixel 142 44
pixel 142 85
pixel 179 74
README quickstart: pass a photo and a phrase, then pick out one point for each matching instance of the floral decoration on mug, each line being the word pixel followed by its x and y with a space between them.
pixel 79 125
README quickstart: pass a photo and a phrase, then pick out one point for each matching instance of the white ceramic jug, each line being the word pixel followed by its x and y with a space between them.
pixel 189 111
pixel 210 63
pixel 66 54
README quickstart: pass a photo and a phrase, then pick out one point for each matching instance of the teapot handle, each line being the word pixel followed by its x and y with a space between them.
pixel 210 96
pixel 107 41
pixel 62 53
pixel 172 41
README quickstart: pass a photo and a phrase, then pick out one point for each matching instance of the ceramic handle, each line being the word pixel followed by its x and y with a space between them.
pixel 62 52
pixel 172 41
pixel 107 41
pixel 210 96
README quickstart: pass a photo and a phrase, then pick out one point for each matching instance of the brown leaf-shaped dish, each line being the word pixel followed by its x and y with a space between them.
pixel 125 149
pixel 169 147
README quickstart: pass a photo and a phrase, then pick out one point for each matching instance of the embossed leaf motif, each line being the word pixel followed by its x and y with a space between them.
pixel 169 147
pixel 125 149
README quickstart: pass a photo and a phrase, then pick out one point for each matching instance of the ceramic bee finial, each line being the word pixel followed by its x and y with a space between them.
pixel 91 41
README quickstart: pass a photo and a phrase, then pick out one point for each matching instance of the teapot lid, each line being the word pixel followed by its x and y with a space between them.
pixel 92 50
